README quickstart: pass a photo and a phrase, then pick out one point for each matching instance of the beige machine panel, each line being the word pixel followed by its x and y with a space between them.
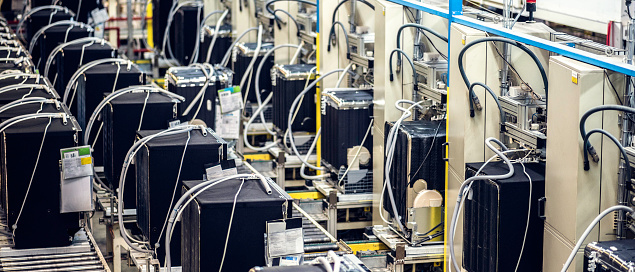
pixel 574 196
pixel 386 93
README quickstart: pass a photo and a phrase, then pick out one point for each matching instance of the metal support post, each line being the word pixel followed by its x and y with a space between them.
pixel 622 191
pixel 400 255
pixel 332 213
pixel 280 180
pixel 130 29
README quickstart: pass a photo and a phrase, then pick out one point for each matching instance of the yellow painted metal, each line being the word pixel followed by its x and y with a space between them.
pixel 149 36
pixel 318 114
pixel 447 188
pixel 306 195
pixel 258 157
pixel 160 82
pixel 366 246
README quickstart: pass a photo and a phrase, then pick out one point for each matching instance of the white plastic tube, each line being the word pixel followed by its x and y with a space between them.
pixel 88 66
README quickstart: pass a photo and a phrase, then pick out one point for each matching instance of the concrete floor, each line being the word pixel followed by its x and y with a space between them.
pixel 99 231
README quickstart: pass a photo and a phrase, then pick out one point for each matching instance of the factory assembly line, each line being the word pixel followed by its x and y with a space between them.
pixel 317 135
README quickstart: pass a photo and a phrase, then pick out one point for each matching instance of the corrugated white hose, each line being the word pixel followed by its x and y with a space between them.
pixel 229 51
pixel 197 190
pixel 216 30
pixel 121 92
pixel 88 66
pixel 252 63
pixel 122 177
pixel 29 100
pixel 291 114
pixel 257 83
pixel 589 229
pixel 455 214
pixel 60 47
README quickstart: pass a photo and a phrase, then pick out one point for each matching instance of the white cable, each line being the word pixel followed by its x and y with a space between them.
pixel 295 114
pixel 231 47
pixel 522 248
pixel 339 81
pixel 297 53
pixel 143 111
pixel 201 92
pixel 88 66
pixel 28 86
pixel 370 126
pixel 37 160
pixel 216 30
pixel 166 34
pixel 56 50
pixel 28 100
pixel 229 228
pixel 469 181
pixel 58 23
pixel 251 120
pixel 589 229
pixel 31 12
pixel 291 113
pixel 199 37
pixel 120 92
pixel 176 186
pixel 191 194
pixel 253 61
pixel 257 83
pixel 308 155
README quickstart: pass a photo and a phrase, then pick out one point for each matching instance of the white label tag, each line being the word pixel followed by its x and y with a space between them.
pixel 286 242
pixel 99 16
pixel 228 125
pixel 230 99
pixel 289 261
pixel 75 166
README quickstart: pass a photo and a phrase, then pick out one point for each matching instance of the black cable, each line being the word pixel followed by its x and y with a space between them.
pixel 436 133
pixel 432 229
pixel 344 1
pixel 585 116
pixel 617 143
pixel 434 46
pixel 420 27
pixel 507 41
pixel 437 234
pixel 513 68
pixel 334 39
pixel 297 27
pixel 628 10
pixel 612 86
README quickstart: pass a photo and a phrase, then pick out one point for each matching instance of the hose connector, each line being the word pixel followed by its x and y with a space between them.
pixel 593 154
pixel 477 103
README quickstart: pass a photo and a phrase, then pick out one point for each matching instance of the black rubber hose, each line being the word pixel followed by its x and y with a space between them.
pixel 427 29
pixel 586 115
pixel 344 1
pixel 489 90
pixel 545 81
pixel 332 36
pixel 297 27
pixel 414 72
pixel 617 143
pixel 268 6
